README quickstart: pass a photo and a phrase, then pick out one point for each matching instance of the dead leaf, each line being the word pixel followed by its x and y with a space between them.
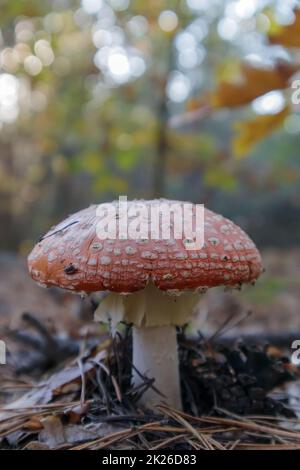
pixel 75 414
pixel 74 434
pixel 190 117
pixel 55 384
pixel 34 424
pixel 288 35
pixel 35 445
pixel 252 131
pixel 53 432
pixel 251 83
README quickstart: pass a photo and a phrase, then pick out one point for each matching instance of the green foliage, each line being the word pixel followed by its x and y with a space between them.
pixel 77 127
pixel 219 177
pixel 267 290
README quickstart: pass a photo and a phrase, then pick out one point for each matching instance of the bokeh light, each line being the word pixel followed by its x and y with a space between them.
pixel 185 40
pixel 92 6
pixel 191 57
pixel 178 87
pixel 138 25
pixel 9 96
pixel 168 20
pixel 53 22
pixel 44 52
pixel 24 30
pixel 118 65
pixel 137 65
pixel 9 59
pixel 241 9
pixel 198 5
pixel 228 28
pixel 102 37
pixel 270 103
pixel 119 5
pixel 32 65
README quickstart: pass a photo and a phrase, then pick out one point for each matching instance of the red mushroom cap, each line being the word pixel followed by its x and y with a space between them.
pixel 72 257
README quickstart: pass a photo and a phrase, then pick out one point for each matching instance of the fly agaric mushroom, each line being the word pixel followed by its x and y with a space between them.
pixel 151 284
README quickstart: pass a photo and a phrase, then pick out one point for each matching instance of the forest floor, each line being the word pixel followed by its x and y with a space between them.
pixel 63 378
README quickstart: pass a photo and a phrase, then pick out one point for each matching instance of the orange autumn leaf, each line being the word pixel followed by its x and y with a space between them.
pixel 252 131
pixel 33 424
pixel 252 83
pixel 289 35
pixel 198 102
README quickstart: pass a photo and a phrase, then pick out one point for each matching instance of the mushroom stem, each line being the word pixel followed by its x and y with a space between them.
pixel 155 355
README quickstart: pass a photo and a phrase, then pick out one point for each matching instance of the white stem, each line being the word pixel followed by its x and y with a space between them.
pixel 155 355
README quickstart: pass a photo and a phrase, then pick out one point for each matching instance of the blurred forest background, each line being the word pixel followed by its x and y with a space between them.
pixel 186 99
